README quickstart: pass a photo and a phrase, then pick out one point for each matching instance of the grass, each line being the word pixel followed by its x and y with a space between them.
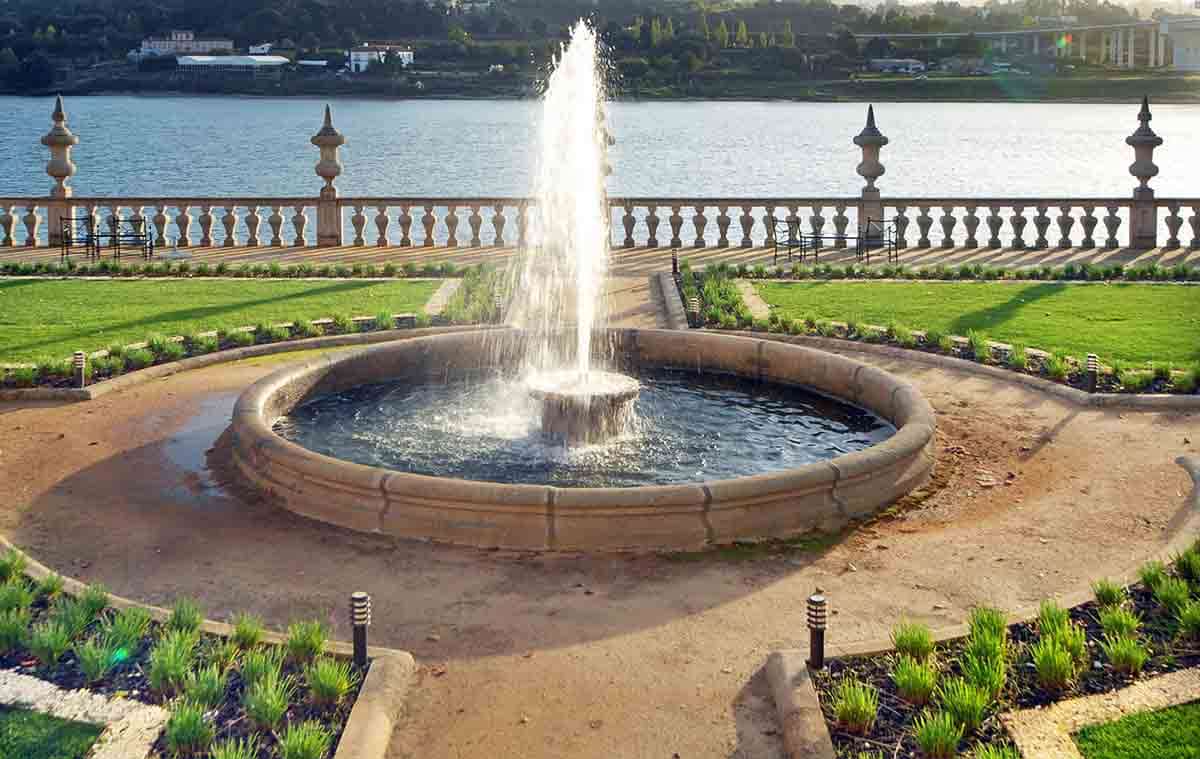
pixel 31 735
pixel 1167 734
pixel 855 706
pixel 913 639
pixel 915 681
pixel 52 319
pixel 1129 322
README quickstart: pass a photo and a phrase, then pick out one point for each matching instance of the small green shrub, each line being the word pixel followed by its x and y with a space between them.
pixel 21 376
pixel 94 599
pixel 913 639
pixel 1057 367
pixel 165 350
pixel 1124 653
pixel 964 702
pixel 15 594
pixel 224 655
pixel 1052 619
pixel 1152 573
pixel 260 663
pixel 937 734
pixel 127 628
pixel 271 334
pixel 1054 666
pixel 267 700
pixel 855 706
pixel 991 751
pixel 187 732
pixel 986 672
pixel 915 681
pixel 247 631
pixel 981 350
pixel 72 614
pixel 1187 564
pixel 185 616
pixel 343 324
pixel 240 748
pixel 328 680
pixel 206 686
pixel 12 565
pixel 304 328
pixel 305 641
pixel 97 657
pixel 1117 621
pixel 1172 593
pixel 307 740
pixel 987 621
pixel 1189 620
pixel 947 345
pixel 1073 640
pixel 48 641
pixel 14 627
pixel 239 338
pixel 200 345
pixel 138 358
pixel 1108 593
pixel 1017 358
pixel 170 661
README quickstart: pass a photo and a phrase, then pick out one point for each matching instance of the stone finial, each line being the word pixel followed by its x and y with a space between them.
pixel 329 167
pixel 1143 141
pixel 870 139
pixel 60 140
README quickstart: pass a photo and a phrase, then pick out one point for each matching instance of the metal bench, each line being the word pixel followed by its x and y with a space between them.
pixel 877 234
pixel 121 235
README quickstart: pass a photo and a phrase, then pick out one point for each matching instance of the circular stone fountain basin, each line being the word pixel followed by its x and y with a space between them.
pixel 823 495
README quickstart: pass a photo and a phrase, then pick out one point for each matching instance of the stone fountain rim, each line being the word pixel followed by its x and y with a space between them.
pixel 484 513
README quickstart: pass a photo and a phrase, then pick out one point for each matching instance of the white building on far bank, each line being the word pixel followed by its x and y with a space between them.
pixel 183 42
pixel 366 55
pixel 1184 33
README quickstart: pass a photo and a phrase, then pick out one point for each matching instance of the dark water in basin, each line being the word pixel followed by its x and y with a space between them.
pixel 689 428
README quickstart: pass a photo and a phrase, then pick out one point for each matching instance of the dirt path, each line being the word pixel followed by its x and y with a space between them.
pixel 594 656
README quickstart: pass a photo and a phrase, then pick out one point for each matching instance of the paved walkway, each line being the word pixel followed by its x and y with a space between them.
pixel 645 261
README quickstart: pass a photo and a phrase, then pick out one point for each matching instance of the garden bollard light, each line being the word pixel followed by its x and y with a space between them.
pixel 499 304
pixel 1093 372
pixel 694 310
pixel 360 619
pixel 816 631
pixel 80 364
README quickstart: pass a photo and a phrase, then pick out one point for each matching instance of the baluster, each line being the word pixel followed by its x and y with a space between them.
pixel 275 221
pixel 995 222
pixel 652 227
pixel 138 219
pixel 381 225
pixel 924 224
pixel 160 226
pixel 206 224
pixel 299 223
pixel 676 222
pixel 840 222
pixel 723 222
pixel 114 220
pixel 1065 223
pixel 406 221
pixel 1194 222
pixel 522 223
pixel 359 221
pixel 253 221
pixel 948 222
pixel 1041 223
pixel 971 222
pixel 768 220
pixel 816 222
pixel 451 226
pixel 498 222
pixel 476 222
pixel 31 221
pixel 1174 222
pixel 902 223
pixel 8 223
pixel 747 222
pixel 1112 222
pixel 92 212
pixel 183 225
pixel 229 222
pixel 628 221
pixel 793 224
pixel 1088 222
pixel 1018 222
pixel 700 221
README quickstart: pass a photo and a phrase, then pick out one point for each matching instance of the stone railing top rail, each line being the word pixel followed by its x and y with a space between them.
pixel 664 201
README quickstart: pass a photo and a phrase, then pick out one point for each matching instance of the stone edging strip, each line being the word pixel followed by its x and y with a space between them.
pixel 380 701
pixel 1046 733
pixel 1102 400
pixel 161 371
pixel 672 301
pixel 794 693
pixel 130 727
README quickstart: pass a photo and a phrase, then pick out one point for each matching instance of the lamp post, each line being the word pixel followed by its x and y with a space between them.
pixel 360 620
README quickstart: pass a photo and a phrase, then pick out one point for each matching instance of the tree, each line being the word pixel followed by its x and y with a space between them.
pixel 878 47
pixel 459 35
pixel 722 35
pixel 787 38
pixel 8 57
pixel 36 72
pixel 704 30
pixel 846 44
pixel 656 32
pixel 309 41
pixel 763 41
pixel 646 35
pixel 538 27
pixel 742 37
pixel 669 30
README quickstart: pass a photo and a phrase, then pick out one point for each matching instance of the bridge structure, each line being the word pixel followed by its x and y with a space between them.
pixel 1173 42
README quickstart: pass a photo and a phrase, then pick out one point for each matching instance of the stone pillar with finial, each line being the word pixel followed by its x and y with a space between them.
pixel 329 168
pixel 60 140
pixel 871 140
pixel 1143 218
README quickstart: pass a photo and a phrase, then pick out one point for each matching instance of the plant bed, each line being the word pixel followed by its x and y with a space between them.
pixel 1153 627
pixel 240 271
pixel 217 689
pixel 1072 272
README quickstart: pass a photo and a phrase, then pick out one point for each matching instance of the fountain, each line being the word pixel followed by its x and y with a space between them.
pixel 563 269
pixel 557 431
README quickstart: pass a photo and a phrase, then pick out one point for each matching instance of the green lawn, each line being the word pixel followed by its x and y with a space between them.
pixel 1129 322
pixel 1168 734
pixel 30 735
pixel 52 319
